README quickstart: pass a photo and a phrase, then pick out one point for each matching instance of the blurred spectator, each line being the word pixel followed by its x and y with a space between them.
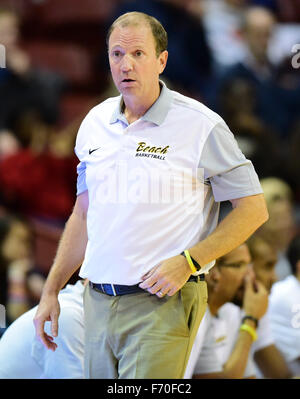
pixel 19 293
pixel 276 101
pixel 263 259
pixel 45 166
pixel 268 359
pixel 284 310
pixel 189 65
pixel 238 284
pixel 222 21
pixel 278 231
pixel 233 347
pixel 19 342
pixel 238 104
pixel 23 88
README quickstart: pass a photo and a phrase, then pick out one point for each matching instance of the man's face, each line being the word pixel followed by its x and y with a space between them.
pixel 135 68
pixel 264 264
pixel 279 229
pixel 259 32
pixel 233 269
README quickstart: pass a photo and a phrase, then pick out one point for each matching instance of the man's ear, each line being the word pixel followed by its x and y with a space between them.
pixel 163 57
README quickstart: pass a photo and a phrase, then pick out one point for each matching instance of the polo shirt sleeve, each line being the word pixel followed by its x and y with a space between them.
pixel 229 172
pixel 81 167
pixel 81 183
pixel 264 334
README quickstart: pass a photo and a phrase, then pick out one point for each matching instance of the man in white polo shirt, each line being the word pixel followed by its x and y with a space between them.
pixel 23 356
pixel 153 166
pixel 284 310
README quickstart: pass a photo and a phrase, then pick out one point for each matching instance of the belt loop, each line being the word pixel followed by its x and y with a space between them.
pixel 113 290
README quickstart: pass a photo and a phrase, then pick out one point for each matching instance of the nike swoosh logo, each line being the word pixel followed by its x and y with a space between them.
pixel 91 151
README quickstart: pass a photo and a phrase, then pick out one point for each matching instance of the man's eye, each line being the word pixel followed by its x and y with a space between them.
pixel 116 53
pixel 138 53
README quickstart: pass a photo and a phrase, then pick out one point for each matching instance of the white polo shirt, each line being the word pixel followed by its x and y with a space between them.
pixel 23 356
pixel 154 184
pixel 219 342
pixel 284 313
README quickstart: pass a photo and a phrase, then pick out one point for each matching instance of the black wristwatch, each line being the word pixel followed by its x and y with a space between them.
pixel 196 264
pixel 249 317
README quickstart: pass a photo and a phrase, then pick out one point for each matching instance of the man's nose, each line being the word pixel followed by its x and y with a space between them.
pixel 126 63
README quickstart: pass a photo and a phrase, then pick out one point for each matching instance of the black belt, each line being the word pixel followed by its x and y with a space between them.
pixel 117 289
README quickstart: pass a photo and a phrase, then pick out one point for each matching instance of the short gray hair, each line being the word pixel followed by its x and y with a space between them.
pixel 135 18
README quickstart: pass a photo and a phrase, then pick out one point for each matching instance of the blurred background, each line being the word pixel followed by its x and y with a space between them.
pixel 236 56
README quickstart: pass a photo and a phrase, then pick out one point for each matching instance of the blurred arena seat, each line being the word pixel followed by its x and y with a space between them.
pixel 24 8
pixel 72 61
pixel 75 11
pixel 75 106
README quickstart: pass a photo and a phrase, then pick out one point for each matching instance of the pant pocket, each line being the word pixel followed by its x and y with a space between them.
pixel 161 357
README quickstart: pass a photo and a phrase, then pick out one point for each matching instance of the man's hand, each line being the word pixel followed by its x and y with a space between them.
pixel 255 301
pixel 168 277
pixel 48 310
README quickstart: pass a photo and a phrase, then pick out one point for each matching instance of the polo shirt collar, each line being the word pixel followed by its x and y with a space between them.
pixel 155 114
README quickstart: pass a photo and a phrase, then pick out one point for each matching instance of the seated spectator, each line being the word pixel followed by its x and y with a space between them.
pixel 268 359
pixel 222 21
pixel 22 87
pixel 26 357
pixel 45 165
pixel 276 103
pixel 284 310
pixel 280 228
pixel 238 104
pixel 236 350
pixel 17 267
pixel 232 345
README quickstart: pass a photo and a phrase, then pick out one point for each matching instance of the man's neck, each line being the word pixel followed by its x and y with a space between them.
pixel 259 65
pixel 135 108
pixel 214 305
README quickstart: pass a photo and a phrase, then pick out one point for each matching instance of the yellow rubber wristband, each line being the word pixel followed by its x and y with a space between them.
pixel 250 330
pixel 190 262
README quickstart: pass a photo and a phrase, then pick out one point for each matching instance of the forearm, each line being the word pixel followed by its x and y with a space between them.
pixel 70 253
pixel 236 364
pixel 271 363
pixel 248 214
